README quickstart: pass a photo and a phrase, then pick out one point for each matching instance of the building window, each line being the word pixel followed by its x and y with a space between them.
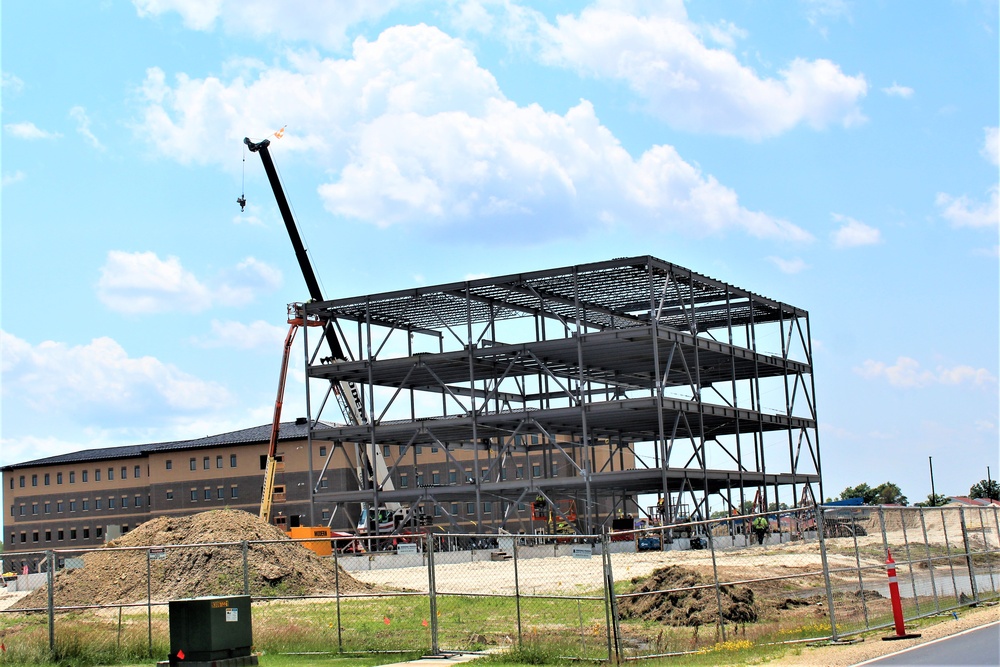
pixel 59 506
pixel 98 531
pixel 72 477
pixel 12 483
pixel 22 510
pixel 22 481
pixel 125 472
pixel 72 533
pixel 218 461
pixel 232 460
pixel 46 479
pixel 34 536
pixel 208 494
pixel 470 509
pixel 519 472
pixel 194 495
pixel 137 501
pixel 85 505
pixel 34 508
pixel 124 501
pixel 97 503
pixel 48 535
pixel 72 506
pixel 136 472
pixel 326 514
pixel 434 450
pixel 83 476
pixel 435 478
pixel 170 495
pixel 86 533
pixel 60 535
pixel 385 450
pixel 453 477
pixel 402 448
pixel 111 474
pixel 206 463
pixel 322 453
pixel 324 483
pixel 503 473
pixel 404 481
pixel 194 464
pixel 24 537
pixel 234 492
pixel 170 464
pixel 34 482
pixel 97 475
pixel 47 508
pixel 454 509
pixel 219 493
pixel 536 470
pixel 419 449
pixel 58 479
pixel 420 479
pixel 437 510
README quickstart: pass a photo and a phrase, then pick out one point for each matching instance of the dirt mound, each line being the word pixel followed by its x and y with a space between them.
pixel 655 599
pixel 119 575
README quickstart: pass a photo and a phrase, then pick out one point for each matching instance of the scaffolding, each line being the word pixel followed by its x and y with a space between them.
pixel 607 381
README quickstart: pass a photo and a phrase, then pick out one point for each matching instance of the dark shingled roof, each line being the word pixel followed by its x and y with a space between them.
pixel 246 436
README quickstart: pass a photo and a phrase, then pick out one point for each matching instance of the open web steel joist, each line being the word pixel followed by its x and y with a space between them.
pixel 599 383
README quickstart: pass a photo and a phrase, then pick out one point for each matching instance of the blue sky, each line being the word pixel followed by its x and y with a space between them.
pixel 840 156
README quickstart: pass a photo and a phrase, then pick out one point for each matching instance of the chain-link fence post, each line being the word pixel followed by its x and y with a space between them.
pixel 821 536
pixel 246 568
pixel 517 591
pixel 951 562
pixel 909 559
pixel 715 578
pixel 50 576
pixel 611 604
pixel 987 550
pixel 432 593
pixel 149 603
pixel 968 555
pixel 336 588
pixel 930 561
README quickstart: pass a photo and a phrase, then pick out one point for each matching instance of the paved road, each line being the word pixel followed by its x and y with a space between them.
pixel 979 646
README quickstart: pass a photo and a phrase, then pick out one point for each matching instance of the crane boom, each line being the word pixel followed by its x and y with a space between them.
pixel 346 392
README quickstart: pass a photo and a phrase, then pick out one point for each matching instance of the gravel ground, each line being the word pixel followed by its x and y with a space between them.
pixel 873 646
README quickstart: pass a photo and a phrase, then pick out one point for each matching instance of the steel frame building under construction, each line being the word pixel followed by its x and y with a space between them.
pixel 631 377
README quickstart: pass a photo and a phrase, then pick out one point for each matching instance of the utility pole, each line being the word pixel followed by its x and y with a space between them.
pixel 930 462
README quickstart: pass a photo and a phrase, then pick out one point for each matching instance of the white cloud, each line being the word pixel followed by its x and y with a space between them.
pixel 790 266
pixel 908 373
pixel 10 179
pixel 10 83
pixel 991 145
pixel 322 22
pixel 79 114
pixel 237 335
pixel 428 138
pixel 693 87
pixel 28 130
pixel 141 282
pixel 965 212
pixel 896 90
pixel 853 233
pixel 100 378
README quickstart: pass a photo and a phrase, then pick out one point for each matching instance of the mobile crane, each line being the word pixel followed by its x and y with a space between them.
pixel 370 465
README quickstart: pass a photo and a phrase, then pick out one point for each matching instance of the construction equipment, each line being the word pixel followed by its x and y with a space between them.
pixel 371 466
pixel 559 516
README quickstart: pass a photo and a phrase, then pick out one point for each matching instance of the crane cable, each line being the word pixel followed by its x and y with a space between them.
pixel 242 200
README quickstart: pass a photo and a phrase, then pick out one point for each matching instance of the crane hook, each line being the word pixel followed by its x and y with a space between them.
pixel 242 201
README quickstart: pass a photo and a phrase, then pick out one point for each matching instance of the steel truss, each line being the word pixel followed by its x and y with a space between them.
pixel 620 378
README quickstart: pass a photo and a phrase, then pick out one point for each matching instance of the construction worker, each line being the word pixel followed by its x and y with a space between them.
pixel 760 528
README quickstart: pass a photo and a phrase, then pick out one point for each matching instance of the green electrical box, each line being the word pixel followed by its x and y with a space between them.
pixel 210 628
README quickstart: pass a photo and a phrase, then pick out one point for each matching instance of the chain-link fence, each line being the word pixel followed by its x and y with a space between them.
pixel 727 583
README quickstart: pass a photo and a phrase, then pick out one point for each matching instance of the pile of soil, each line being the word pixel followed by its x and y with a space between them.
pixel 657 601
pixel 111 575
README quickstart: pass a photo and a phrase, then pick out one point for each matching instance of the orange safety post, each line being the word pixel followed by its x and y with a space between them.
pixel 897 602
